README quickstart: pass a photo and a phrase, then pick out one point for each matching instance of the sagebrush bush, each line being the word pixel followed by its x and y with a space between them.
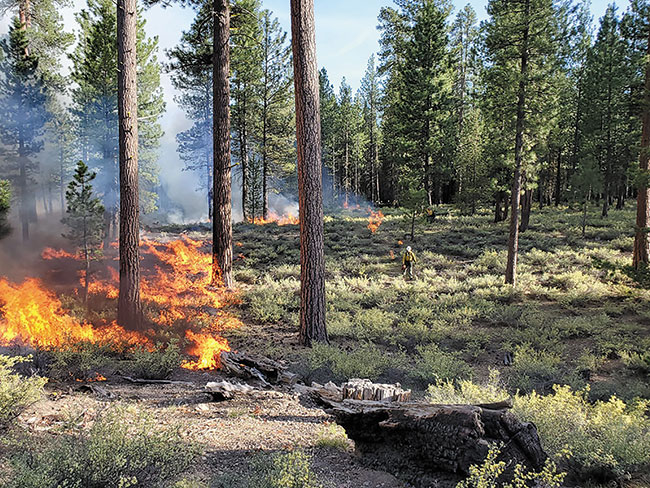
pixel 280 470
pixel 639 362
pixel 434 364
pixel 273 301
pixel 368 361
pixel 588 437
pixel 292 470
pixel 333 436
pixel 156 364
pixel 490 474
pixel 79 361
pixel 16 391
pixel 123 448
pixel 534 369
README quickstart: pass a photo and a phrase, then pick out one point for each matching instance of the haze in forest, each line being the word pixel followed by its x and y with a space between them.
pixel 346 35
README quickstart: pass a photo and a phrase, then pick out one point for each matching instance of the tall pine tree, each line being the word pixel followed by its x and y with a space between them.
pixel 23 116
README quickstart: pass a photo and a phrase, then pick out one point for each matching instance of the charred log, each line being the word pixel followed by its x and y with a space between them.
pixel 419 441
pixel 263 369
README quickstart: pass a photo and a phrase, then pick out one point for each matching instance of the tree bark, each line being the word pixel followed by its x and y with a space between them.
pixel 243 155
pixel 129 308
pixel 310 185
pixel 265 159
pixel 584 212
pixel 222 191
pixel 641 251
pixel 558 179
pixel 526 207
pixel 513 239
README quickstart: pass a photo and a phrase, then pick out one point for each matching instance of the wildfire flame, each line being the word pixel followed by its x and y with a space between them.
pixel 49 253
pixel 208 349
pixel 347 206
pixel 288 219
pixel 179 284
pixel 33 315
pixel 375 220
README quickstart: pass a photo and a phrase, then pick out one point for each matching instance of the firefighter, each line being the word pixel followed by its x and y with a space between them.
pixel 431 215
pixel 408 263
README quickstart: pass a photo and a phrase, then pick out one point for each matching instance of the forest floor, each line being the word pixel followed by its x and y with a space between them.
pixel 579 316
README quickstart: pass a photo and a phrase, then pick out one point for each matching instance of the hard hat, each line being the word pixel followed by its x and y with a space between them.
pixel 408 248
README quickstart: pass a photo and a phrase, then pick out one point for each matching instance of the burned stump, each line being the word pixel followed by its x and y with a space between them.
pixel 417 441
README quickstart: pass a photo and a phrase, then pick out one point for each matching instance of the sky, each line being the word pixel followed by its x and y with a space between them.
pixel 346 37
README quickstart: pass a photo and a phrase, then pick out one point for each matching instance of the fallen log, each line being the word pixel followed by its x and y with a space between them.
pixel 416 441
pixel 224 390
pixel 263 369
pixel 97 390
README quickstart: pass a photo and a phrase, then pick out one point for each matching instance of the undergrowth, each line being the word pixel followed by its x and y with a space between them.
pixel 123 448
pixel 16 391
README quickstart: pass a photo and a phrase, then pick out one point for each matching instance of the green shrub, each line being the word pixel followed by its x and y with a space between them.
pixel 333 436
pixel 123 448
pixel 374 324
pixel 639 362
pixel 79 361
pixel 367 361
pixel 589 437
pixel 290 470
pixel 465 391
pixel 534 369
pixel 492 260
pixel 157 364
pixel 190 483
pixel 272 301
pixel 16 392
pixel 490 475
pixel 281 470
pixel 434 364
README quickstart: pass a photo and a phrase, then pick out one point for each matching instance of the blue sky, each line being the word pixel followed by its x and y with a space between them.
pixel 346 30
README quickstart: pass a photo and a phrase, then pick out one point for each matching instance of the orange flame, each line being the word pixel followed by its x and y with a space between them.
pixel 180 284
pixel 288 219
pixel 347 206
pixel 34 316
pixel 208 349
pixel 375 220
pixel 49 253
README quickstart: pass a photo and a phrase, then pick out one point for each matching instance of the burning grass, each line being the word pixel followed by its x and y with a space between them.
pixel 177 291
pixel 375 220
pixel 287 219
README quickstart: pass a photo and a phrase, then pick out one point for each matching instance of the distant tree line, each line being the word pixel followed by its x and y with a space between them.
pixel 530 106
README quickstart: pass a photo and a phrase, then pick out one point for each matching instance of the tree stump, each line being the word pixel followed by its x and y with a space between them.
pixel 358 389
pixel 417 441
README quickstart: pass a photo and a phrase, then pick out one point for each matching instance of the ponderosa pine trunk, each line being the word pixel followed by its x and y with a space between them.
pixel 243 157
pixel 265 158
pixel 221 188
pixel 641 252
pixel 526 207
pixel 310 185
pixel 129 308
pixel 558 179
pixel 513 239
